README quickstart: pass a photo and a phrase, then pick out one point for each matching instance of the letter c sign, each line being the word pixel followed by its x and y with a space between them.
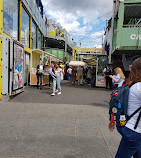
pixel 133 36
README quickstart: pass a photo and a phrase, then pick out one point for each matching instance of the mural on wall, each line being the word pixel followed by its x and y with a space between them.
pixel 18 67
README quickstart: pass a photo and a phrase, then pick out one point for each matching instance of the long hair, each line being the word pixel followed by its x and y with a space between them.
pixel 135 73
pixel 119 71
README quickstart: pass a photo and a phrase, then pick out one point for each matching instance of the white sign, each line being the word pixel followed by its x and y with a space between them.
pixel 135 37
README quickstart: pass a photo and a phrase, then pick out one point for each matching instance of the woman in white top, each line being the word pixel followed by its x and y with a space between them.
pixel 57 80
pixel 118 78
pixel 130 144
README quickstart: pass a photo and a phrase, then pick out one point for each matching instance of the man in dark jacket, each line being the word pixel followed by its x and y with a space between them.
pixel 40 72
pixel 107 72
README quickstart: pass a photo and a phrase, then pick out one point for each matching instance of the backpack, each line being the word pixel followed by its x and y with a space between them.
pixel 119 104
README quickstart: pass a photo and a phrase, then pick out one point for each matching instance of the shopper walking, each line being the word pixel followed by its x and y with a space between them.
pixel 57 80
pixel 107 72
pixel 85 74
pixel 118 78
pixel 80 75
pixel 51 73
pixel 39 73
pixel 89 76
pixel 73 76
pixel 130 144
pixel 69 72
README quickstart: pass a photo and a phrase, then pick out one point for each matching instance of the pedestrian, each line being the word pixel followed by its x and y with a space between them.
pixel 69 72
pixel 51 73
pixel 89 76
pixel 57 79
pixel 80 75
pixel 93 76
pixel 73 76
pixel 107 72
pixel 130 144
pixel 39 73
pixel 118 78
pixel 84 74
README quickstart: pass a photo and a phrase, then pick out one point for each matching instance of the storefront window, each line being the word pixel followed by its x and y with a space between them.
pixel 25 28
pixel 10 18
pixel 34 35
pixel 39 40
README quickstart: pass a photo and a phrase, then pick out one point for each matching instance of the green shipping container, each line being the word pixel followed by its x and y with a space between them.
pixel 55 52
pixel 49 51
pixel 60 54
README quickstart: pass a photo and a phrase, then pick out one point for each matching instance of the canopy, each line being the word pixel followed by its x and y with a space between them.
pixel 77 63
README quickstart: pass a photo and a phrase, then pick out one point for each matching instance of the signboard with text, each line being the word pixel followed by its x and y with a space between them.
pixel 131 37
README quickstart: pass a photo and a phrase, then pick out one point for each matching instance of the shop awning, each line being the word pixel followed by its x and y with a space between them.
pixel 77 63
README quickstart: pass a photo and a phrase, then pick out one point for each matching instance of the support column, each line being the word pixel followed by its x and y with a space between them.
pixel 1 16
pixel 74 54
pixel 30 31
pixel 1 26
pixel 66 49
pixel 0 68
pixel 19 20
pixel 66 44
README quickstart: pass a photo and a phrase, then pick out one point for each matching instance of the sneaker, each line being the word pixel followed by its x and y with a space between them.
pixel 56 91
pixel 53 94
pixel 59 93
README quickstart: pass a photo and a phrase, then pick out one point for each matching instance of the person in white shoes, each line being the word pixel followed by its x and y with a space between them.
pixel 57 80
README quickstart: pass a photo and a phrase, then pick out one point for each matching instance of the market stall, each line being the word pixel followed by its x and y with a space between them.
pixel 98 63
pixel 36 57
pixel 102 62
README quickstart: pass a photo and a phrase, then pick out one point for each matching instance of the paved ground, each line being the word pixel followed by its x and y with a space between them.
pixel 73 125
pixel 77 95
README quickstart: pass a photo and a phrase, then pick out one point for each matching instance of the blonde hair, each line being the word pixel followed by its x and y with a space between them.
pixel 119 71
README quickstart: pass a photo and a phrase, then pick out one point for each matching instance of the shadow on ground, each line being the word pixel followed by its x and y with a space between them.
pixel 71 94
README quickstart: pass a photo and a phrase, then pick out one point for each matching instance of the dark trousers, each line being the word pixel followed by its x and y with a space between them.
pixel 88 80
pixel 108 82
pixel 39 78
pixel 50 79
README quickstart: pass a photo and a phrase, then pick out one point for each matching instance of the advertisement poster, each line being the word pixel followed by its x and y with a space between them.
pixel 18 67
pixel 100 81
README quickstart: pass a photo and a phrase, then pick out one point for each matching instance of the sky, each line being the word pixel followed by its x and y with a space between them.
pixel 85 20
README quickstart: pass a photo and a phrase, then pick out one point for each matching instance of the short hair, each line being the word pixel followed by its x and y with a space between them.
pixel 135 73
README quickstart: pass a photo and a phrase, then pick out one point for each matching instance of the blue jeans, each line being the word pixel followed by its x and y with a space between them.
pixel 130 144
pixel 69 77
pixel 57 81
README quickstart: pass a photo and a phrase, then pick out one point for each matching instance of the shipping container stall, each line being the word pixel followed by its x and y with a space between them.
pixel 36 57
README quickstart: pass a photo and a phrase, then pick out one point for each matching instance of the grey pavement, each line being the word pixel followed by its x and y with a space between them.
pixel 73 125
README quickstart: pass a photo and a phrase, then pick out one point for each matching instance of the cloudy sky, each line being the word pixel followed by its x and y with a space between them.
pixel 85 20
